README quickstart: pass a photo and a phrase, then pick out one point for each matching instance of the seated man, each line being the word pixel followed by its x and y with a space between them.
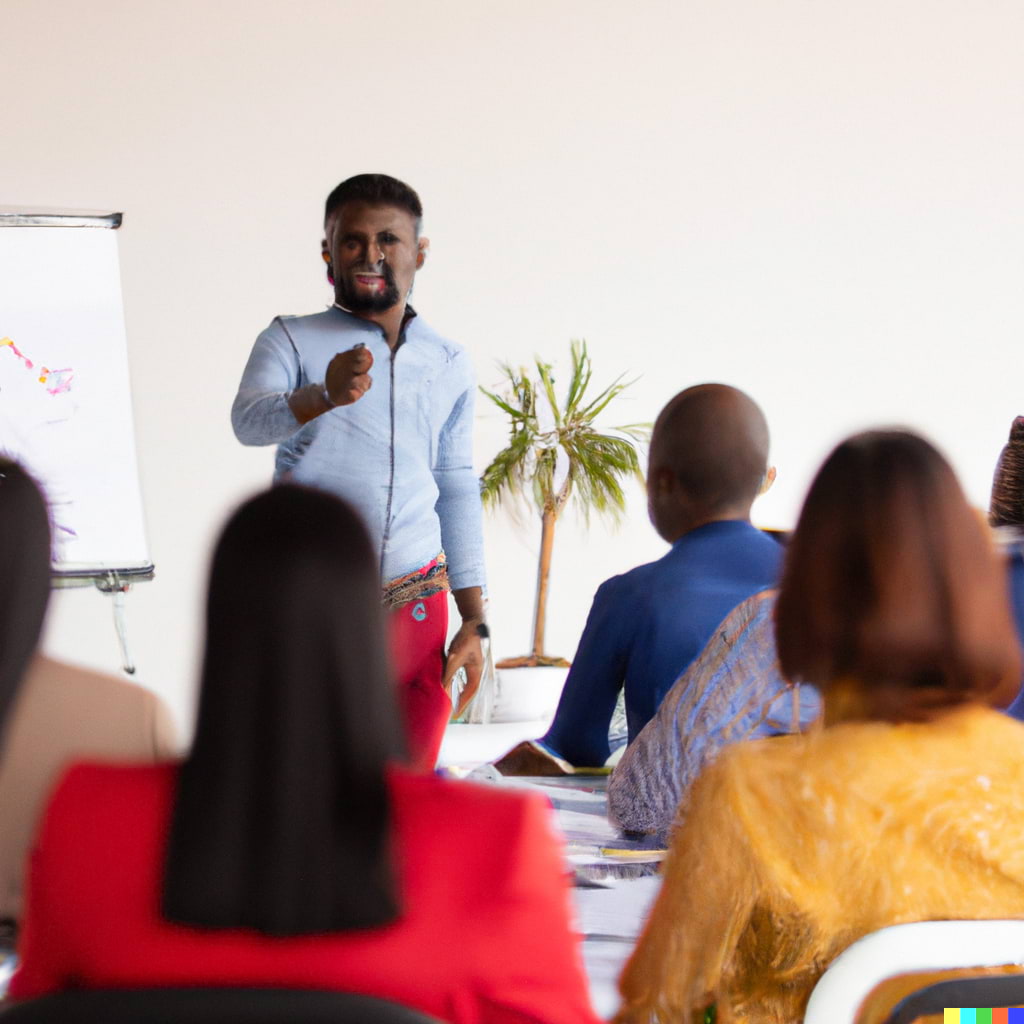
pixel 708 460
pixel 732 692
pixel 1006 515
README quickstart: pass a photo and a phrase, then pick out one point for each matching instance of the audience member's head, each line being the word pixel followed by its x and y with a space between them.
pixel 708 459
pixel 893 602
pixel 1006 507
pixel 24 575
pixel 281 820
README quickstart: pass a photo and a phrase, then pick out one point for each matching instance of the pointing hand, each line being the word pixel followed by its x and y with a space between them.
pixel 348 376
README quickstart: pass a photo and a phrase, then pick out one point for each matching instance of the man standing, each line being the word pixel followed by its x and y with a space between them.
pixel 367 401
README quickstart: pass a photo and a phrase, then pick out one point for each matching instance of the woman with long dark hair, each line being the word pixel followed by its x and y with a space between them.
pixel 907 805
pixel 24 576
pixel 57 712
pixel 289 849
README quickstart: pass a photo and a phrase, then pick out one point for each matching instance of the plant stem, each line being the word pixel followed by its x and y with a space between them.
pixel 547 541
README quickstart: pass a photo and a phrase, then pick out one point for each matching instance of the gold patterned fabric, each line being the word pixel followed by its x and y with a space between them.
pixel 418 584
pixel 791 848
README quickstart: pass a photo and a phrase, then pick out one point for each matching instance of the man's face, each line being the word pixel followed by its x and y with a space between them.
pixel 373 256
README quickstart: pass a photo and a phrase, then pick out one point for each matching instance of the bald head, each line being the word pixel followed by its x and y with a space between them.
pixel 708 457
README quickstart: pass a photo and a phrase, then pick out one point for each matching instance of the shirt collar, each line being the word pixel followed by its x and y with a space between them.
pixel 406 316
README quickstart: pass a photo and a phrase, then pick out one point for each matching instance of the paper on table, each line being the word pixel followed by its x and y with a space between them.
pixel 619 910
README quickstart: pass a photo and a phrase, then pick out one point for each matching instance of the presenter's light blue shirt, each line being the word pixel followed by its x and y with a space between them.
pixel 647 625
pixel 402 454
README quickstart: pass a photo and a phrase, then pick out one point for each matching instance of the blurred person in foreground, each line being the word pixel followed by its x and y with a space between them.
pixel 906 806
pixel 290 848
pixel 58 713
pixel 735 691
pixel 1006 516
pixel 24 577
pixel 708 461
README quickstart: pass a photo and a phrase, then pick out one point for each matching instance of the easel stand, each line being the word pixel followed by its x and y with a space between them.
pixel 116 583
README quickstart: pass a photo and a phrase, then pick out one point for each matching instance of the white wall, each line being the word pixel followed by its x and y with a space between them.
pixel 817 201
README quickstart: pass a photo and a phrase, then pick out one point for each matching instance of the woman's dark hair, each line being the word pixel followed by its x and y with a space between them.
pixel 281 820
pixel 24 575
pixel 891 586
pixel 1006 507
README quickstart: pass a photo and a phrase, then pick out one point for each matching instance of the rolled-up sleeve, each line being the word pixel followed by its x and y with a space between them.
pixel 260 413
pixel 458 502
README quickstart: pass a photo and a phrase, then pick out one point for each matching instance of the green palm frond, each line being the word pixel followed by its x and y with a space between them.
pixel 547 382
pixel 593 463
pixel 603 460
pixel 509 469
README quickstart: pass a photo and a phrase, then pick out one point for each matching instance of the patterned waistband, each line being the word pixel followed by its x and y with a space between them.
pixel 420 583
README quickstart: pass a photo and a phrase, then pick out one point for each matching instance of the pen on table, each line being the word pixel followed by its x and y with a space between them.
pixel 621 854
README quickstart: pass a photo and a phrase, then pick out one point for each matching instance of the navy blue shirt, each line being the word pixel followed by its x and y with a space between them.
pixel 1015 569
pixel 647 625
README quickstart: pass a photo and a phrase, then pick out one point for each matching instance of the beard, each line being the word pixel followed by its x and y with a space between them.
pixel 360 302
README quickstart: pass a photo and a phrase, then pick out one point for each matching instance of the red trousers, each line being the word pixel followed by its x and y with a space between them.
pixel 418 633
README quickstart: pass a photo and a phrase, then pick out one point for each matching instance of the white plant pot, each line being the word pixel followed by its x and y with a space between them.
pixel 528 694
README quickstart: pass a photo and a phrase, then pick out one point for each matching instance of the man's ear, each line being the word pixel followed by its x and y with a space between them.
pixel 423 247
pixel 769 479
pixel 326 257
pixel 659 480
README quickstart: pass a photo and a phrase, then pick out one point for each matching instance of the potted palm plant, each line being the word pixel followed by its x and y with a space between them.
pixel 558 455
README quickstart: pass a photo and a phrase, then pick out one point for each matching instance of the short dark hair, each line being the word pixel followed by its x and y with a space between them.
pixel 714 438
pixel 24 575
pixel 375 190
pixel 282 816
pixel 891 586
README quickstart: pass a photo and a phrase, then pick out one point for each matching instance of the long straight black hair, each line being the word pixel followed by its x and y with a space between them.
pixel 281 820
pixel 24 576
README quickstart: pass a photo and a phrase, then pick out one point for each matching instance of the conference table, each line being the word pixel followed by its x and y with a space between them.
pixel 616 879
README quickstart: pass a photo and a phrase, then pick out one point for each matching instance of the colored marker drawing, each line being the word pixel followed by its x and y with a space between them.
pixel 37 417
pixel 56 382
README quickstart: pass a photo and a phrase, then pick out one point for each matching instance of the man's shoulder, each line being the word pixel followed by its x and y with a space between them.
pixel 424 334
pixel 325 315
pixel 327 321
pixel 734 545
pixel 633 583
pixel 302 332
pixel 753 551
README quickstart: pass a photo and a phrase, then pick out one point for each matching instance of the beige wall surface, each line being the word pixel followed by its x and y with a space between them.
pixel 817 201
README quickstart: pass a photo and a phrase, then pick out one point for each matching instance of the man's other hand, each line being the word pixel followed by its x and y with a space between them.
pixel 465 651
pixel 348 376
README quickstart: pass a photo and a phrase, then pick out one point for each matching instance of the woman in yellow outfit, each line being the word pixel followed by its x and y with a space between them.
pixel 907 805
